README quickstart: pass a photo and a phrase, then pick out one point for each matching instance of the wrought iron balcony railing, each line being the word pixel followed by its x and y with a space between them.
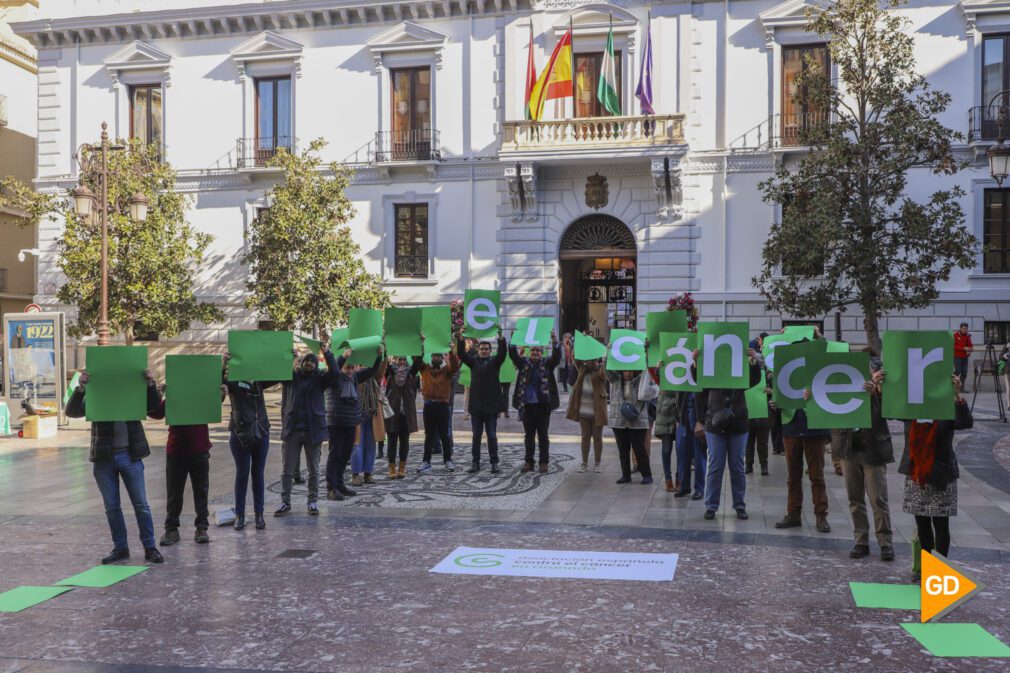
pixel 413 145
pixel 626 131
pixel 257 152
pixel 782 130
pixel 984 123
pixel 411 266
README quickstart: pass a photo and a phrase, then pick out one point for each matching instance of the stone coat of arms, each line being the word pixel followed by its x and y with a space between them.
pixel 597 191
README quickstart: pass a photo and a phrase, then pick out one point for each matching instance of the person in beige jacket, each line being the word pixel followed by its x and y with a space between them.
pixel 588 406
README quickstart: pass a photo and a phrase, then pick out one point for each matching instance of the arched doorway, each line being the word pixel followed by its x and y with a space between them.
pixel 598 259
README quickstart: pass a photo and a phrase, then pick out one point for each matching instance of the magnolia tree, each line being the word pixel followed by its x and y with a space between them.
pixel 306 271
pixel 849 234
pixel 151 263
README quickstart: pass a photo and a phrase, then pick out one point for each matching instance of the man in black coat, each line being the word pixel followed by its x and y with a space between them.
pixel 118 449
pixel 535 397
pixel 486 398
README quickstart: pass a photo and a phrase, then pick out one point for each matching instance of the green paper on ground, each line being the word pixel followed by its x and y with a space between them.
pixel 830 409
pixel 799 332
pixel 403 332
pixel 792 375
pixel 887 596
pixel 72 386
pixel 658 322
pixel 436 325
pixel 910 391
pixel 363 350
pixel 771 342
pixel 757 402
pixel 626 351
pixel 481 313
pixel 533 332
pixel 464 376
pixel 19 598
pixel 117 389
pixel 101 576
pixel 192 389
pixel 260 355
pixel 677 358
pixel 588 348
pixel 727 365
pixel 507 373
pixel 957 640
pixel 838 347
pixel 364 322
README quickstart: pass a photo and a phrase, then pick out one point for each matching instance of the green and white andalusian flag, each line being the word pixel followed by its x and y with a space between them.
pixel 606 91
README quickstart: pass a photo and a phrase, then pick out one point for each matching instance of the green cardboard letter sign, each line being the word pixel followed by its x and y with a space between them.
pixel 658 322
pixel 677 350
pixel 588 348
pixel 533 332
pixel 627 350
pixel 480 313
pixel 723 359
pixel 192 389
pixel 793 376
pixel 837 396
pixel 919 366
pixel 403 331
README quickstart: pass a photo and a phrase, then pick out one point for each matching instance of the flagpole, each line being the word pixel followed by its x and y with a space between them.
pixel 571 50
pixel 648 32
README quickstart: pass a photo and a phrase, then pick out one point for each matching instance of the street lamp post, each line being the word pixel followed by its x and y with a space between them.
pixel 999 154
pixel 84 204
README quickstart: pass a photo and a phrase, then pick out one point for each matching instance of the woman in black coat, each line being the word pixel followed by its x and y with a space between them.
pixel 401 393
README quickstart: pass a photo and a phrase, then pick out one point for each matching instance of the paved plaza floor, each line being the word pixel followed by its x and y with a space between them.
pixel 351 590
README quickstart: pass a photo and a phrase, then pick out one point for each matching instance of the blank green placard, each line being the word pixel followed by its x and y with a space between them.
pixel 19 598
pixel 117 390
pixel 588 348
pixel 757 401
pixel 101 576
pixel 364 322
pixel 888 596
pixel 403 331
pixel 464 376
pixel 364 350
pixel 957 640
pixel 799 332
pixel 312 344
pixel 658 322
pixel 838 347
pixel 192 389
pixel 507 373
pixel 436 325
pixel 260 355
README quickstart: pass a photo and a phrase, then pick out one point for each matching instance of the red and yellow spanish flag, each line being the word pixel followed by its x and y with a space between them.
pixel 556 79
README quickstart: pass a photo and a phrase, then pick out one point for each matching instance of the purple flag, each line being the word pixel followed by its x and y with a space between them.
pixel 644 90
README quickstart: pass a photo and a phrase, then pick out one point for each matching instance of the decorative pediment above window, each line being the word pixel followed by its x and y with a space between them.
pixel 405 38
pixel 595 20
pixel 137 56
pixel 789 14
pixel 996 12
pixel 268 46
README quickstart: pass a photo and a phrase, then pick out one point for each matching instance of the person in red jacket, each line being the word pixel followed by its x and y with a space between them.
pixel 962 351
pixel 187 455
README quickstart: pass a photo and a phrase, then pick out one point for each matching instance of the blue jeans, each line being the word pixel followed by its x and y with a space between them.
pixel 107 474
pixel 690 448
pixel 723 448
pixel 363 456
pixel 255 461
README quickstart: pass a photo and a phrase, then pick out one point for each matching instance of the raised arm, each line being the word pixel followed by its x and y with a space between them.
pixel 517 359
pixel 556 352
pixel 463 354
pixel 499 357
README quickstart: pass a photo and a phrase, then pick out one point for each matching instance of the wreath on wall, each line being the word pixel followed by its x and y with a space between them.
pixel 685 302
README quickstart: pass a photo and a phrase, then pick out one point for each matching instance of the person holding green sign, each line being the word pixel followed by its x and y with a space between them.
pixel 722 419
pixel 536 396
pixel 187 457
pixel 929 464
pixel 588 407
pixel 118 449
pixel 437 381
pixel 629 420
pixel 486 397
pixel 865 453
pixel 401 393
pixel 303 427
pixel 343 416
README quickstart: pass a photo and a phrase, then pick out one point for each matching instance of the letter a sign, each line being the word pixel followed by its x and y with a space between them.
pixel 943 588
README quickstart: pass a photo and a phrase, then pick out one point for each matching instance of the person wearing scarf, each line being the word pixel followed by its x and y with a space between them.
pixel 371 430
pixel 401 391
pixel 930 468
pixel 536 397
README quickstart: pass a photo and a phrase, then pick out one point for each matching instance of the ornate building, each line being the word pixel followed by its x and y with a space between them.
pixel 591 217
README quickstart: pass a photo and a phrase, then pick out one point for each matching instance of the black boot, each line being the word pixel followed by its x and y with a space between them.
pixel 116 555
pixel 240 522
pixel 260 522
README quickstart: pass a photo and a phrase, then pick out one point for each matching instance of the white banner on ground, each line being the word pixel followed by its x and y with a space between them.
pixel 599 565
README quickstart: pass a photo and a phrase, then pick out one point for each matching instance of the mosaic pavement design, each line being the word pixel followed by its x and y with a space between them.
pixel 439 489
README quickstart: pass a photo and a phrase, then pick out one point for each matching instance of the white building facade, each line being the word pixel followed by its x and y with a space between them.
pixel 590 218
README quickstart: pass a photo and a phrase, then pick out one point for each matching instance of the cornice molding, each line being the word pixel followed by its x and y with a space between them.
pixel 250 18
pixel 23 56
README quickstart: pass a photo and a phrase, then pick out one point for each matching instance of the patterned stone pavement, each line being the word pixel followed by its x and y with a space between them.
pixel 745 598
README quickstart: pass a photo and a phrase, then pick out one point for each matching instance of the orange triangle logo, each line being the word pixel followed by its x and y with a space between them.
pixel 943 587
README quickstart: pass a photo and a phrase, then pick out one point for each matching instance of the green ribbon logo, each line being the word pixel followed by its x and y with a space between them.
pixel 479 560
